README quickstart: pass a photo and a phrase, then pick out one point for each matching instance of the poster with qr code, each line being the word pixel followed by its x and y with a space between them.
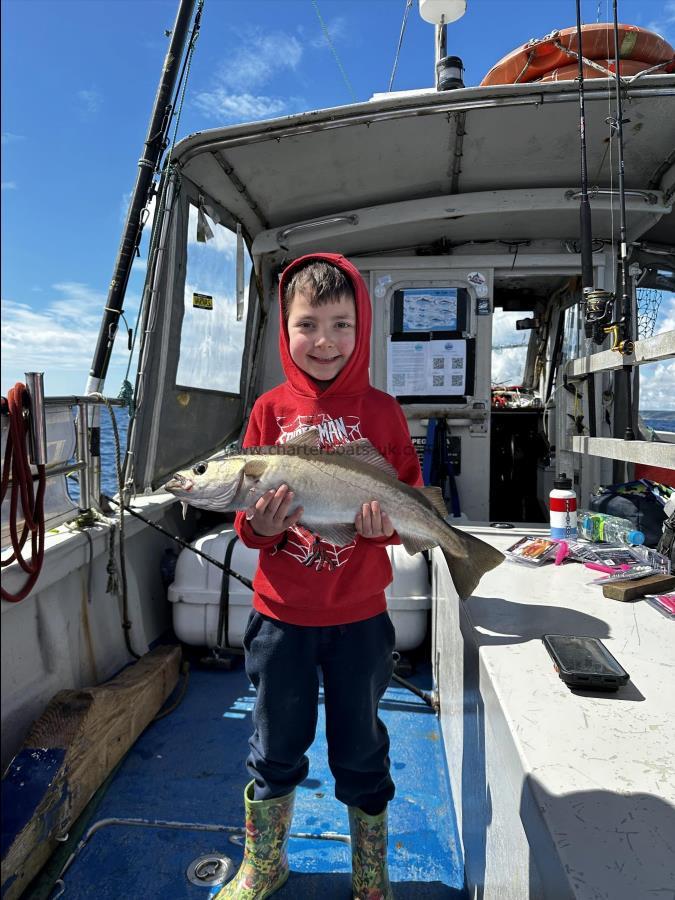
pixel 421 368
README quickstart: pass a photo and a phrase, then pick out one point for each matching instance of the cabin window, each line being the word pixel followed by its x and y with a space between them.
pixel 509 348
pixel 212 336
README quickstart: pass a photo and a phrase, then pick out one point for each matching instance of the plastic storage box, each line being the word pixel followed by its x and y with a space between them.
pixel 195 593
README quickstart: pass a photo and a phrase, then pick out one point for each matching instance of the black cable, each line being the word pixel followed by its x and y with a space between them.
pixel 241 578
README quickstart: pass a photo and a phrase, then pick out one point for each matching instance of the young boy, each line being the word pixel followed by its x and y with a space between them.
pixel 316 605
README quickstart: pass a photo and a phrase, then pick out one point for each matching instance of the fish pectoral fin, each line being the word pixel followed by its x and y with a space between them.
pixel 184 509
pixel 435 496
pixel 339 533
pixel 414 544
pixel 365 452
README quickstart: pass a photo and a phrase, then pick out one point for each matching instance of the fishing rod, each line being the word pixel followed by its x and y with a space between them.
pixel 585 206
pixel 599 305
pixel 155 144
pixel 624 325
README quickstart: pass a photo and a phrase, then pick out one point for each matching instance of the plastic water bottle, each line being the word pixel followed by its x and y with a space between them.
pixel 562 504
pixel 597 527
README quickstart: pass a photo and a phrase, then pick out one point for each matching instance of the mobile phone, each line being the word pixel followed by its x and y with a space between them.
pixel 585 662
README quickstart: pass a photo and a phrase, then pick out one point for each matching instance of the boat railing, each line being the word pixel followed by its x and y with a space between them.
pixel 658 348
pixel 60 442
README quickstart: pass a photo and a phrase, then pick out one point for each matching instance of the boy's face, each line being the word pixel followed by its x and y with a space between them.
pixel 322 338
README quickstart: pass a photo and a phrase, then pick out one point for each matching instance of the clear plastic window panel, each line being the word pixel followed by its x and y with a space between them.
pixel 212 340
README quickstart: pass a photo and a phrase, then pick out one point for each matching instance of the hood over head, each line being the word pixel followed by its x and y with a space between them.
pixel 354 377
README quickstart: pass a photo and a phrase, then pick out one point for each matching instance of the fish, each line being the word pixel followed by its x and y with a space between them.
pixel 331 485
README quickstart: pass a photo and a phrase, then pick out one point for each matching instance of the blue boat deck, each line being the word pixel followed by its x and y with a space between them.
pixel 188 769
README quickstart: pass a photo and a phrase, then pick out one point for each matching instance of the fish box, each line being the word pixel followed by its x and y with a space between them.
pixel 196 591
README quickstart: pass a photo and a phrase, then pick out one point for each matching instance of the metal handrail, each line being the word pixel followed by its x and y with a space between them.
pixel 657 348
pixel 647 196
pixel 286 232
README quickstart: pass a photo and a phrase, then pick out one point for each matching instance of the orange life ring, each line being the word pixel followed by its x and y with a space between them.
pixel 569 73
pixel 543 55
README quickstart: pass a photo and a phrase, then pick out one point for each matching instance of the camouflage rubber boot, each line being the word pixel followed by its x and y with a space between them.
pixel 370 879
pixel 264 868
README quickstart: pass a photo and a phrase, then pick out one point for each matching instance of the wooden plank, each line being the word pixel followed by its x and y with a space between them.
pixel 67 755
pixel 653 349
pixel 650 453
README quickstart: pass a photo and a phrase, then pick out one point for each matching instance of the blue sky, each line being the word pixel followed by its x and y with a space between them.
pixel 78 82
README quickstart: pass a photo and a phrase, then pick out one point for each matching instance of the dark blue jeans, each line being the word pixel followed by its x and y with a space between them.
pixel 283 663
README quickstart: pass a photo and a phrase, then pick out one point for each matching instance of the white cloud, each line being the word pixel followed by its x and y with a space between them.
pixel 504 328
pixel 9 138
pixel 657 379
pixel 666 318
pixel 235 94
pixel 259 59
pixel 656 385
pixel 90 101
pixel 337 29
pixel 508 365
pixel 9 185
pixel 219 104
pixel 665 24
pixel 59 338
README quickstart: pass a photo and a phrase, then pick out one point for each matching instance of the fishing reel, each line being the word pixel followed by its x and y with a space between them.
pixel 598 306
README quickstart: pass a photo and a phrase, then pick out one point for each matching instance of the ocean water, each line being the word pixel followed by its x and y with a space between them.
pixel 108 470
pixel 659 420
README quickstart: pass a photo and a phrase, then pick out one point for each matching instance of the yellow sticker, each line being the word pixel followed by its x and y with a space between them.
pixel 202 301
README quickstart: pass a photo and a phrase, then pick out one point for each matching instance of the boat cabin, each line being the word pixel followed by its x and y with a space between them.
pixel 460 208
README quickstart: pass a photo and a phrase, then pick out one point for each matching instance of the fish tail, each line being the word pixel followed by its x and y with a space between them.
pixel 467 572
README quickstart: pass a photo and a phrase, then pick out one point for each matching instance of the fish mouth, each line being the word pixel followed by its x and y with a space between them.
pixel 178 484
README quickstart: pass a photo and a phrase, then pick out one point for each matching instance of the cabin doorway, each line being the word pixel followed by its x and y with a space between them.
pixel 519 448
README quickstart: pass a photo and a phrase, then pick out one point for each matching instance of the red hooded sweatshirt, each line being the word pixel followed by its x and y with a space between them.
pixel 301 579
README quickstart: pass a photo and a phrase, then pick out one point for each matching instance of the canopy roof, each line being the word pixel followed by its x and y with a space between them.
pixel 427 145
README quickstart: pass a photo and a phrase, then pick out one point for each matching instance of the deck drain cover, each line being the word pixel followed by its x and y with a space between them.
pixel 210 869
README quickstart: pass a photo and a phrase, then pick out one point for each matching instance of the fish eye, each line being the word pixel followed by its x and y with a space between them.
pixel 200 468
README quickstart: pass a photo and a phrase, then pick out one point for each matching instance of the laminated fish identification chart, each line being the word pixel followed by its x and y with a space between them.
pixel 416 368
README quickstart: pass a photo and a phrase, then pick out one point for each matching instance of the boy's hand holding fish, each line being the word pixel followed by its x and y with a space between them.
pixel 270 515
pixel 371 522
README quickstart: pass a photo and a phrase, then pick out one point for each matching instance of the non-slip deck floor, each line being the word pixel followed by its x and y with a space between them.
pixel 188 768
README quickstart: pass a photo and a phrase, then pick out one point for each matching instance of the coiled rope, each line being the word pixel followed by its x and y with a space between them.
pixel 16 463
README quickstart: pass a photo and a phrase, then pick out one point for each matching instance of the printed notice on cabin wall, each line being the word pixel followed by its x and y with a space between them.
pixel 426 367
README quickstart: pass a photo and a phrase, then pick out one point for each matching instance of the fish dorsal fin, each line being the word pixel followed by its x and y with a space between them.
pixel 414 544
pixel 435 496
pixel 254 468
pixel 365 452
pixel 308 438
